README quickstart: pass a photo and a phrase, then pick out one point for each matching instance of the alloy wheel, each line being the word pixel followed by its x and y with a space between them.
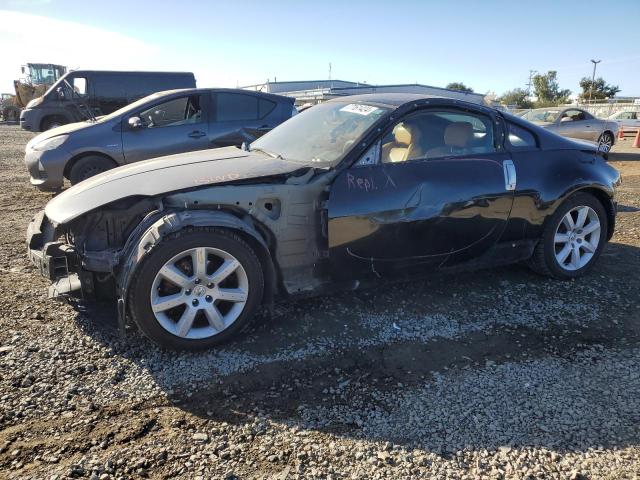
pixel 577 237
pixel 199 292
pixel 606 139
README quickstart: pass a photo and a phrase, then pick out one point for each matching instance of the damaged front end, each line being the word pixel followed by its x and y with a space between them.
pixel 81 257
pixel 55 258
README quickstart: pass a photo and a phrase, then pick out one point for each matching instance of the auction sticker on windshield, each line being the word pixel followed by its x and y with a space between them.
pixel 359 109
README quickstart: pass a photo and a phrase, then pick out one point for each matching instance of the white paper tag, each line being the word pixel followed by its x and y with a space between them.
pixel 359 109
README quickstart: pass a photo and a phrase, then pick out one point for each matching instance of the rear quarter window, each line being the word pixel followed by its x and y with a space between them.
pixel 265 107
pixel 236 106
pixel 520 138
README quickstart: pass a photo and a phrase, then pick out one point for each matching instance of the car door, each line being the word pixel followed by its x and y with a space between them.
pixel 238 118
pixel 75 96
pixel 576 123
pixel 175 125
pixel 435 190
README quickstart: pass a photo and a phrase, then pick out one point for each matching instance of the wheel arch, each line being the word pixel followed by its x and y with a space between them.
pixel 73 160
pixel 607 203
pixel 602 195
pixel 142 241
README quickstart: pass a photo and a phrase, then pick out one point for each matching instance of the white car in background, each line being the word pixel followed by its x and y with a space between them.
pixel 626 118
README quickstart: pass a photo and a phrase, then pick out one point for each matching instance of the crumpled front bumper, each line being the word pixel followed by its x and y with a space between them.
pixel 55 260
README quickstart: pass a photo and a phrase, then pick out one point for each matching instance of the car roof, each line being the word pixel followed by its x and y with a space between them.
pixel 395 100
pixel 213 90
pixel 560 109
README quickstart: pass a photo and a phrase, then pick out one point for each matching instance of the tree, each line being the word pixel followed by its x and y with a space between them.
pixel 547 90
pixel 459 86
pixel 601 89
pixel 516 97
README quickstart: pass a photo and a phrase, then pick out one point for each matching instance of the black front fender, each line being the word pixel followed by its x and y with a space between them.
pixel 157 226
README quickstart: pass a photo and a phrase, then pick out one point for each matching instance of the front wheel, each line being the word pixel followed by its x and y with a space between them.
pixel 52 122
pixel 89 166
pixel 606 139
pixel 197 289
pixel 11 114
pixel 572 239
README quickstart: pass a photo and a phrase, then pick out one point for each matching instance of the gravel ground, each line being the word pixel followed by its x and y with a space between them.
pixel 495 374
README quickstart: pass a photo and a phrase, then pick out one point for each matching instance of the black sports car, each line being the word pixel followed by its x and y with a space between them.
pixel 354 190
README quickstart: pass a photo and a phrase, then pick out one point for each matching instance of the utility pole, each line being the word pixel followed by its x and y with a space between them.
pixel 531 73
pixel 593 77
pixel 329 70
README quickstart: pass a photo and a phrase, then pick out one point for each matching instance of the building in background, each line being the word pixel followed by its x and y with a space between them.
pixel 317 91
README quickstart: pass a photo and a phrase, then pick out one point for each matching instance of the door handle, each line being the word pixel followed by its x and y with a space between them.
pixel 197 134
pixel 264 128
pixel 509 170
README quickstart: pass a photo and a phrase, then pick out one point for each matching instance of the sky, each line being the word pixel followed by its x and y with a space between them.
pixel 490 46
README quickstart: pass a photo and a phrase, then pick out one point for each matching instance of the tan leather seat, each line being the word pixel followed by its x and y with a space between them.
pixel 457 137
pixel 398 149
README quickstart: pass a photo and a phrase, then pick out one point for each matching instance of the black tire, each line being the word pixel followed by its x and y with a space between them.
pixel 87 167
pixel 607 139
pixel 142 283
pixel 544 259
pixel 52 122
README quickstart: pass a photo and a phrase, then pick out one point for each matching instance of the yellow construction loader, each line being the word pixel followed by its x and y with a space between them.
pixel 36 79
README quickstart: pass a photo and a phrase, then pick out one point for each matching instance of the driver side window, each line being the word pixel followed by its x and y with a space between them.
pixel 435 134
pixel 177 111
pixel 573 116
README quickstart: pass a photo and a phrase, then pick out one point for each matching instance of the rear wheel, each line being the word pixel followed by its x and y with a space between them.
pixel 197 289
pixel 573 238
pixel 87 167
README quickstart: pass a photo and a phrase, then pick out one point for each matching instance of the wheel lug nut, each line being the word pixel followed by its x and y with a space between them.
pixel 210 285
pixel 195 302
pixel 208 298
pixel 197 281
pixel 187 292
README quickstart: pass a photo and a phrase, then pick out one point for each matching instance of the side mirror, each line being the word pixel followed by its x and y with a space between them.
pixel 60 93
pixel 135 122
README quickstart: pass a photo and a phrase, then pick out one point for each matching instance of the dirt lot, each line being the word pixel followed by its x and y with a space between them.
pixel 495 374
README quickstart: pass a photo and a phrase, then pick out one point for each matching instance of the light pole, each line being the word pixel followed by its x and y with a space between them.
pixel 593 77
pixel 531 73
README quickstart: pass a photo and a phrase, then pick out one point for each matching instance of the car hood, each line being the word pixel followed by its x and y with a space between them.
pixel 582 144
pixel 61 130
pixel 164 175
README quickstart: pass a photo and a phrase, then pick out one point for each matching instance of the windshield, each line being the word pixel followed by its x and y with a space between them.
pixel 322 134
pixel 44 74
pixel 542 116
